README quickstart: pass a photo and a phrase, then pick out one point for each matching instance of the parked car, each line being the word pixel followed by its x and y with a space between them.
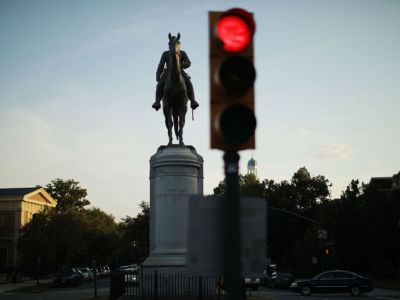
pixel 280 280
pixel 87 275
pixel 269 269
pixel 81 277
pixel 107 271
pixel 134 266
pixel 94 271
pixel 68 276
pixel 131 277
pixel 121 268
pixel 252 283
pixel 127 268
pixel 335 281
pixel 102 272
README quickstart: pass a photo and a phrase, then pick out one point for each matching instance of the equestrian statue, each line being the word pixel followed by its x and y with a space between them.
pixel 174 88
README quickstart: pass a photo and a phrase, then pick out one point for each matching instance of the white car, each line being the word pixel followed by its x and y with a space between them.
pixel 87 275
pixel 252 283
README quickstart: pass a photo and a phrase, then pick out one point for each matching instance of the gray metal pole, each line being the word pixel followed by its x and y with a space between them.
pixel 232 242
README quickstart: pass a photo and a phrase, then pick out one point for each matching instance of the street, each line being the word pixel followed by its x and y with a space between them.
pixel 278 294
pixel 86 291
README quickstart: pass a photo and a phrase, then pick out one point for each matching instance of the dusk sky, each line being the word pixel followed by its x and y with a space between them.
pixel 77 81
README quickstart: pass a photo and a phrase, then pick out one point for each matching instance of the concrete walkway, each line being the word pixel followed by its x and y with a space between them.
pixel 7 286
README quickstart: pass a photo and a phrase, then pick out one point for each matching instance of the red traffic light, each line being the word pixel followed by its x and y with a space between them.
pixel 327 251
pixel 232 76
pixel 235 29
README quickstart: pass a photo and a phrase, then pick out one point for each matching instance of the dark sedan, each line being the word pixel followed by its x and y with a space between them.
pixel 68 276
pixel 280 280
pixel 333 282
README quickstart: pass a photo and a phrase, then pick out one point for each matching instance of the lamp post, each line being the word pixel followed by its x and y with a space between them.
pixel 38 261
pixel 134 251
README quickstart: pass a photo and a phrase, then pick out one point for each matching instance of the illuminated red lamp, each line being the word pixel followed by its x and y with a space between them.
pixel 235 29
pixel 327 251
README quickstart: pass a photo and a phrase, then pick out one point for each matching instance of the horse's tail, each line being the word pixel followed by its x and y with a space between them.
pixel 176 128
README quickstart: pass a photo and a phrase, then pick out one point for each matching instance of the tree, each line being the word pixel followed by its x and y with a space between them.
pixel 102 236
pixel 69 235
pixel 69 238
pixel 135 233
pixel 301 196
pixel 353 190
pixel 249 186
pixel 311 190
pixel 34 242
pixel 364 227
pixel 67 193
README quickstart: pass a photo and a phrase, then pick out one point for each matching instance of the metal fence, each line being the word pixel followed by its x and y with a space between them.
pixel 164 286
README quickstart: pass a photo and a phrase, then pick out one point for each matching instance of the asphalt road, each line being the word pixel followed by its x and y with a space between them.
pixel 278 294
pixel 86 291
pixel 80 292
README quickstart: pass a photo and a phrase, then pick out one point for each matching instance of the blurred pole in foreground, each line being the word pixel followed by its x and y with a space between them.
pixel 231 228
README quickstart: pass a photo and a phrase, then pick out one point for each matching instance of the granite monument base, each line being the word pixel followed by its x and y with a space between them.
pixel 176 174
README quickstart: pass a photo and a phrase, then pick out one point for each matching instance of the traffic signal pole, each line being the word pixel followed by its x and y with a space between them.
pixel 232 243
pixel 232 122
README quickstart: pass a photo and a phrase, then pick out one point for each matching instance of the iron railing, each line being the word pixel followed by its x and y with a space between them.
pixel 164 286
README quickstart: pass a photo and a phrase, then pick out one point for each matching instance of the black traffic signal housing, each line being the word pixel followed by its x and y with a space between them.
pixel 232 76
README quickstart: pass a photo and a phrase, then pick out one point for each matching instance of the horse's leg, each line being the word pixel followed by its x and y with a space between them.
pixel 182 123
pixel 168 122
pixel 175 115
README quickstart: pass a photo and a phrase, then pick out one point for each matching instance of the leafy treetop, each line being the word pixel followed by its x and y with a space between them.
pixel 68 194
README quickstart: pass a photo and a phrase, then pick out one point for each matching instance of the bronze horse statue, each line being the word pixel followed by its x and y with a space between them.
pixel 175 94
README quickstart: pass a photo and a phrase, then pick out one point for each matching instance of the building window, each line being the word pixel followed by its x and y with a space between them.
pixel 3 257
pixel 6 224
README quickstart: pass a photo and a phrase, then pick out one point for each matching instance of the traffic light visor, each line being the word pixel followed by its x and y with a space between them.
pixel 235 29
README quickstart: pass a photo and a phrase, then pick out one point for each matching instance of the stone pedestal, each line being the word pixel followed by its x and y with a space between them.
pixel 176 173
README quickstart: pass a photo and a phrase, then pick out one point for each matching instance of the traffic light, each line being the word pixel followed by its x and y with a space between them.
pixel 327 251
pixel 232 76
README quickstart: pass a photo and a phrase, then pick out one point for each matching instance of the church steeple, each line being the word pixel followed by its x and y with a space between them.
pixel 252 167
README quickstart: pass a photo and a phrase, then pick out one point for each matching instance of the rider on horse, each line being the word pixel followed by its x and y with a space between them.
pixel 162 74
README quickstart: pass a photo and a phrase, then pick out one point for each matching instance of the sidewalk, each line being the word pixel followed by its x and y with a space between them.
pixel 32 282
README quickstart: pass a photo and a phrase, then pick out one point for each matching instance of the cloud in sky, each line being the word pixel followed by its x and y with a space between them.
pixel 333 152
pixel 305 131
